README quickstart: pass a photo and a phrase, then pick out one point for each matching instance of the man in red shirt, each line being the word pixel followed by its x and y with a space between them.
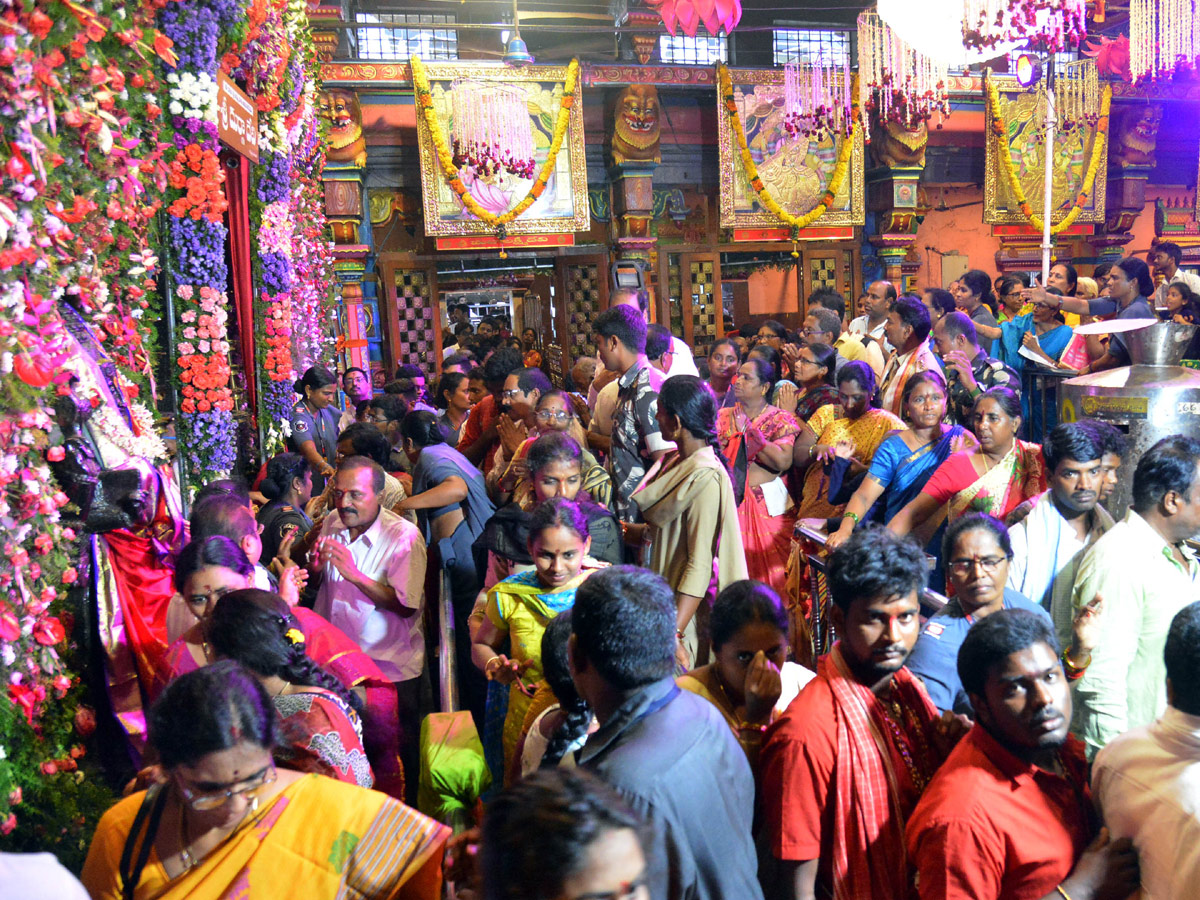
pixel 479 440
pixel 1009 816
pixel 845 765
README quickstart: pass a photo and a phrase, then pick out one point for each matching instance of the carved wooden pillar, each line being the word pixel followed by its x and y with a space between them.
pixel 893 196
pixel 344 211
pixel 634 151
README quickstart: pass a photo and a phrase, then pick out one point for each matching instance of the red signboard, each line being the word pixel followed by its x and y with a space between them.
pixel 811 233
pixel 516 242
pixel 237 118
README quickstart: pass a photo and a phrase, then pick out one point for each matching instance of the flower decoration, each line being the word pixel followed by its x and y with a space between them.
pixel 1004 154
pixel 451 172
pixel 837 179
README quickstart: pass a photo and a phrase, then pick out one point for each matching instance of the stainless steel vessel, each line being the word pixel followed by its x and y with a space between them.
pixel 1148 400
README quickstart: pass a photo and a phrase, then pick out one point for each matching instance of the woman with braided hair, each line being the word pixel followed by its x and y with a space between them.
pixel 690 535
pixel 321 728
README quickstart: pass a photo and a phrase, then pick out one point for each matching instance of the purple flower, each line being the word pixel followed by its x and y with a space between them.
pixel 277 400
pixel 276 272
pixel 274 177
pixel 211 441
pixel 198 251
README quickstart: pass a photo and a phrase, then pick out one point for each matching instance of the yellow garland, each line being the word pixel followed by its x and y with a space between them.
pixel 836 181
pixel 446 158
pixel 1004 152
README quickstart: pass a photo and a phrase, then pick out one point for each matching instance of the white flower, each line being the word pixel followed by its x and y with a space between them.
pixel 176 108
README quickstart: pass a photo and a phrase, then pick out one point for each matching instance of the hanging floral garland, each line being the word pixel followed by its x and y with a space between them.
pixel 446 156
pixel 1004 154
pixel 837 179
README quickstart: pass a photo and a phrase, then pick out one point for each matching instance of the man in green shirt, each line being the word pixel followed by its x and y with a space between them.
pixel 1146 574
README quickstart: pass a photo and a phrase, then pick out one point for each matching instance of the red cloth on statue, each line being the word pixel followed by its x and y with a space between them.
pixel 144 588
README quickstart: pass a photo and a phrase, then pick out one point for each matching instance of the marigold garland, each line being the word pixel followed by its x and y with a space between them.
pixel 837 179
pixel 446 157
pixel 1004 153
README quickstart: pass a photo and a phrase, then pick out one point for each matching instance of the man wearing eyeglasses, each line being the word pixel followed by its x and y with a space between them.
pixel 518 422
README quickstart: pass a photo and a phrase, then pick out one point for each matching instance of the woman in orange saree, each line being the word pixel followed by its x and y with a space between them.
pixel 757 439
pixel 226 823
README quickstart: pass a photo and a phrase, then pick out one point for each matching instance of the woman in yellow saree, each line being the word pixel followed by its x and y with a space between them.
pixel 853 427
pixel 226 823
pixel 519 608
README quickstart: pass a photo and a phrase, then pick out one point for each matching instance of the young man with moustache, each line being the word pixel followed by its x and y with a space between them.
pixel 1008 816
pixel 1049 544
pixel 844 766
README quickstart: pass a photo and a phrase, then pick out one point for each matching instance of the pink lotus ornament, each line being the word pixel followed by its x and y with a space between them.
pixel 688 14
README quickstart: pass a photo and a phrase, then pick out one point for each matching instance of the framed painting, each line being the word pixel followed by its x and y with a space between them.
pixel 1023 111
pixel 563 205
pixel 796 171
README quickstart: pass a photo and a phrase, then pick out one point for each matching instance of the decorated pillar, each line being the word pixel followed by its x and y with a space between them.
pixel 1130 161
pixel 325 38
pixel 344 209
pixel 634 151
pixel 893 196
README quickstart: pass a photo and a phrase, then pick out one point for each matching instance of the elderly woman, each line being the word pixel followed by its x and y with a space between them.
pixel 226 821
pixel 854 429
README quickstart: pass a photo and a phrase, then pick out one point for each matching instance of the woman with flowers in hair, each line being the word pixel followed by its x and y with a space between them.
pixel 320 719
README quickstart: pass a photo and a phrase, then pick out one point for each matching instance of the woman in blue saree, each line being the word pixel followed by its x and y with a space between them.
pixel 906 459
pixel 1043 334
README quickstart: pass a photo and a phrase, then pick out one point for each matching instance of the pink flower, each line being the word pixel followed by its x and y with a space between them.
pixel 189 333
pixel 56 454
pixel 48 595
pixel 9 825
pixel 68 534
pixel 14 798
pixel 61 499
pixel 185 292
pixel 71 575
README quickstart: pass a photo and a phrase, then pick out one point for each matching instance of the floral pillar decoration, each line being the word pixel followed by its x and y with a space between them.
pixel 896 82
pixel 81 182
pixel 196 237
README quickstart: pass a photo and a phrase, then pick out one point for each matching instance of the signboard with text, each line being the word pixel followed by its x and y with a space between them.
pixel 237 118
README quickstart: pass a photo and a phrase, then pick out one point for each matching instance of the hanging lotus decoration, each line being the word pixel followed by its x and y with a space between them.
pixel 688 14
pixel 1051 24
pixel 491 133
pixel 816 100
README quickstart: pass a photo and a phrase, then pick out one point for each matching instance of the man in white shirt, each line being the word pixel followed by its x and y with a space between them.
pixel 1165 258
pixel 879 298
pixel 1146 783
pixel 1146 573
pixel 373 563
pixel 1049 544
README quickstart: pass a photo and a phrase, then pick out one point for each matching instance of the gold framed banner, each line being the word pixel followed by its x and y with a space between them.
pixel 796 173
pixel 1016 115
pixel 559 202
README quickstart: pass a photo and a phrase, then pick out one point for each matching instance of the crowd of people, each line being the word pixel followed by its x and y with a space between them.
pixel 629 615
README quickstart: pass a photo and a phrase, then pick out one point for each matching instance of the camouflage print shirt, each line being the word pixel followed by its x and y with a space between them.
pixel 988 373
pixel 635 434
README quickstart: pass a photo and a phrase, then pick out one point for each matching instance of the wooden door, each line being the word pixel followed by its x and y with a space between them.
pixel 581 295
pixel 701 310
pixel 829 267
pixel 413 315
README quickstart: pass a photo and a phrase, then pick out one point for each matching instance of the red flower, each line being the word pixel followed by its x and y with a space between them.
pixel 25 698
pixel 9 825
pixel 56 454
pixel 10 628
pixel 14 798
pixel 70 576
pixel 48 631
pixel 40 24
pixel 50 767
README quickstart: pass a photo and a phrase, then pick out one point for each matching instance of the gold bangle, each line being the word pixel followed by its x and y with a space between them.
pixel 489 662
pixel 1059 888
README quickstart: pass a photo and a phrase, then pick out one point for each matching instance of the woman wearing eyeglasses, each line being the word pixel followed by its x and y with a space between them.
pixel 224 821
pixel 555 412
pixel 977 551
pixel 320 719
pixel 519 608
